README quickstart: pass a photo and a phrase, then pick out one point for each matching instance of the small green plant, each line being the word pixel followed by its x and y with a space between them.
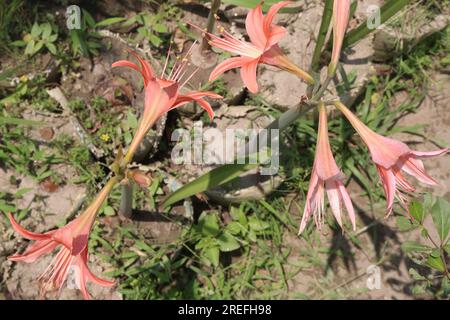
pixel 41 36
pixel 430 253
pixel 152 26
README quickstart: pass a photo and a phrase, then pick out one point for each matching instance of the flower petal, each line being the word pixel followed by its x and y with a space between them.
pixel 348 203
pixel 197 97
pixel 275 36
pixel 268 19
pixel 88 273
pixel 248 75
pixel 415 168
pixel 334 199
pixel 324 162
pixel 429 154
pixel 126 63
pixel 311 199
pixel 254 25
pixel 25 233
pixel 41 247
pixel 389 185
pixel 147 71
pixel 226 65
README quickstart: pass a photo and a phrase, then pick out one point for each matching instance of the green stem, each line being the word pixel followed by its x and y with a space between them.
pixel 126 200
pixel 215 4
pixel 324 26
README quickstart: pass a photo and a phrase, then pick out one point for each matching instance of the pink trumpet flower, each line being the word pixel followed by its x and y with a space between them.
pixel 341 15
pixel 162 94
pixel 73 242
pixel 392 158
pixel 326 176
pixel 263 48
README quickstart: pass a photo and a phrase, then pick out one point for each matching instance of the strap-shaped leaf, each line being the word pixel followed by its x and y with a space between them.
pixel 211 179
pixel 387 11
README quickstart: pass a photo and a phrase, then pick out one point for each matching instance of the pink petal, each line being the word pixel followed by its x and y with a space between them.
pixel 324 162
pixel 147 71
pixel 429 154
pixel 88 273
pixel 248 75
pixel 348 203
pixel 254 26
pixel 311 199
pixel 25 233
pixel 388 180
pixel 385 152
pixel 334 199
pixel 268 19
pixel 275 36
pixel 226 65
pixel 126 63
pixel 41 247
pixel 196 96
pixel 415 168
pixel 341 15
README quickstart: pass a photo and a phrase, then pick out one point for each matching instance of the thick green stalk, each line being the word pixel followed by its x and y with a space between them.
pixel 215 4
pixel 324 26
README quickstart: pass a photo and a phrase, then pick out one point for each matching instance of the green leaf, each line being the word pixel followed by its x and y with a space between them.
pixel 435 263
pixel 415 275
pixel 87 17
pixel 18 43
pixel 414 246
pixel 46 30
pixel 38 46
pixel 109 21
pixel 265 7
pixel 212 253
pixel 388 10
pixel 447 248
pixel 257 225
pixel 29 50
pixel 211 179
pixel 78 43
pixel 109 211
pixel 405 224
pixel 441 217
pixel 416 210
pixel 208 224
pixel 51 47
pixel 324 26
pixel 160 28
pixel 227 242
pixel 20 122
pixel 35 30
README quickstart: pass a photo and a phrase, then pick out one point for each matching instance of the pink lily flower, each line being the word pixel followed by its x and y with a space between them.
pixel 392 158
pixel 73 242
pixel 263 48
pixel 341 15
pixel 162 94
pixel 326 176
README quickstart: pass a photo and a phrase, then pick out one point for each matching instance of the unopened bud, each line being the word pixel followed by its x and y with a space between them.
pixel 140 178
